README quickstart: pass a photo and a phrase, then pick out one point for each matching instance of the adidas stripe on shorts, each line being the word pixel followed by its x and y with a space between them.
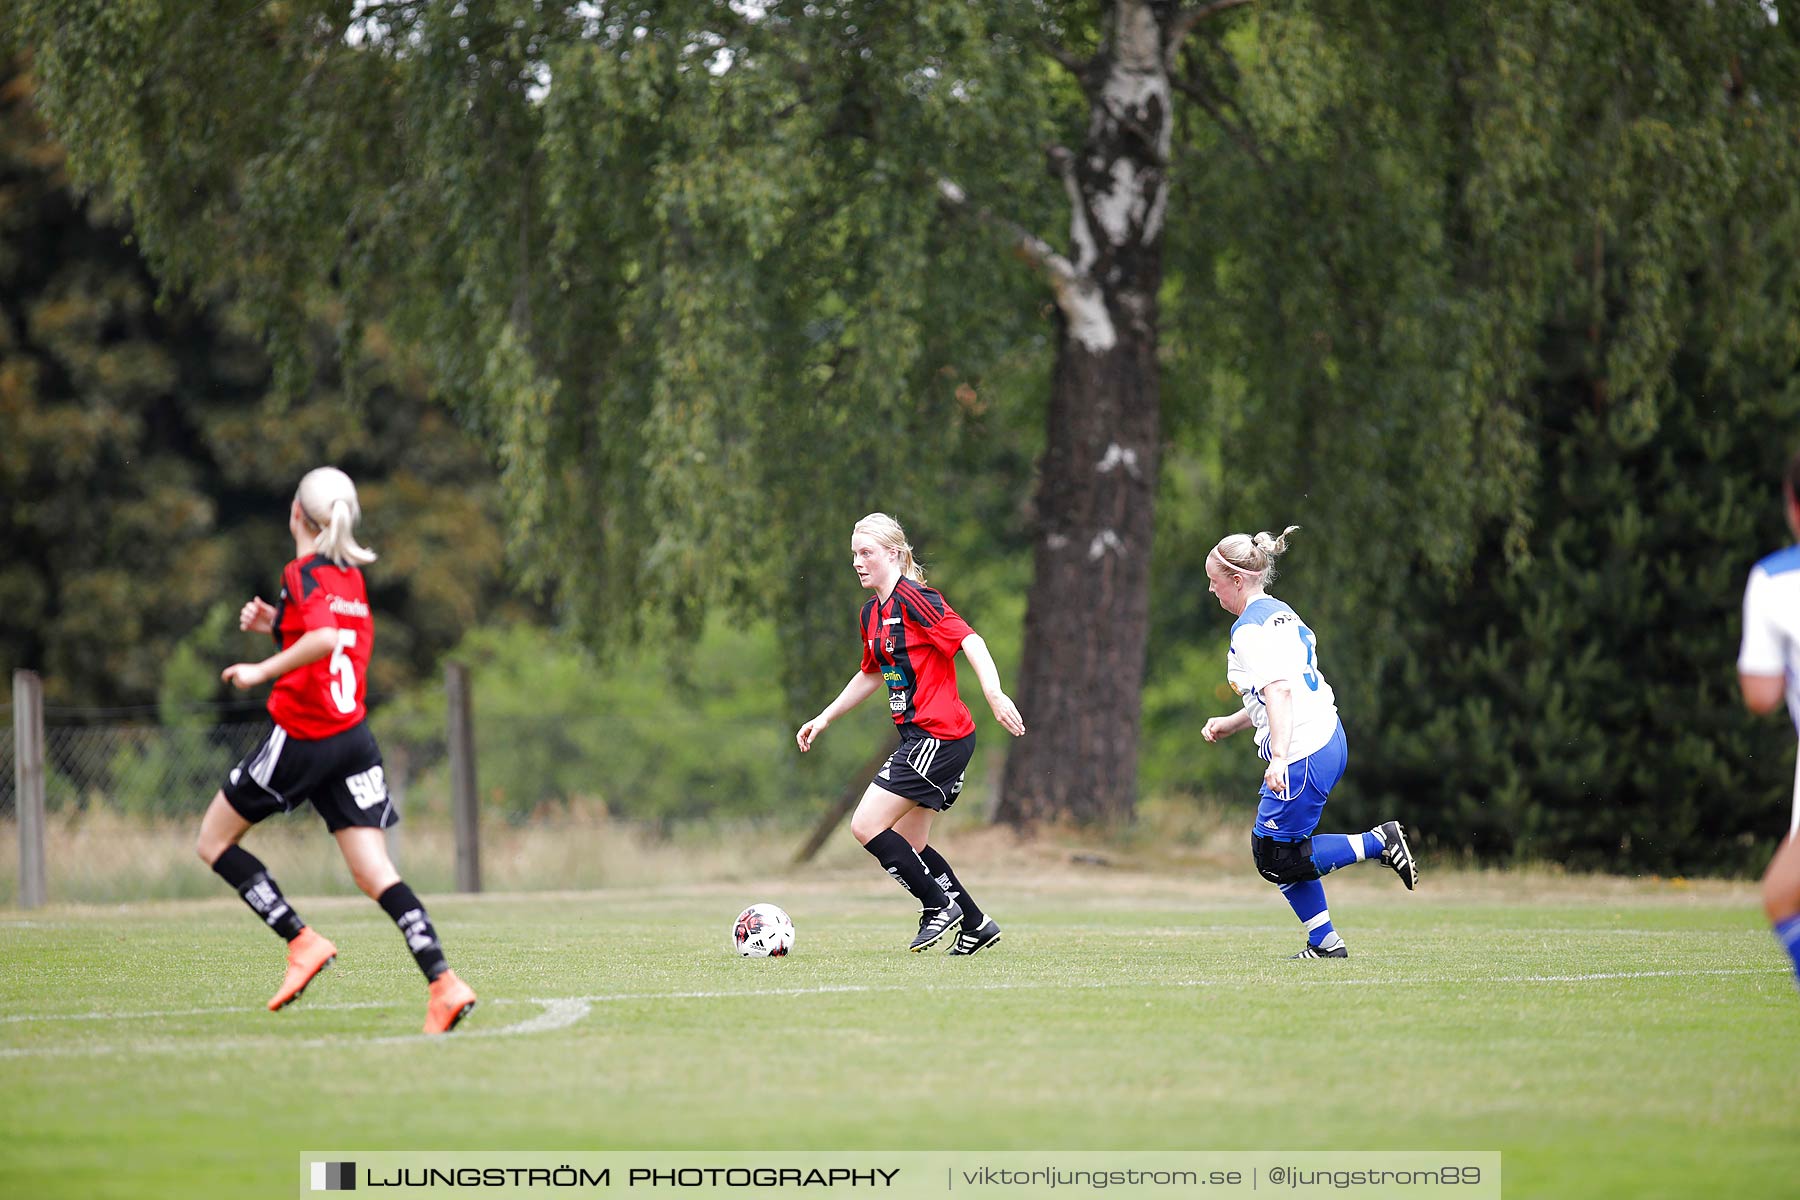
pixel 927 770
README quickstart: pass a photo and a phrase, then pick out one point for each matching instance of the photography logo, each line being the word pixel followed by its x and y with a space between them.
pixel 334 1177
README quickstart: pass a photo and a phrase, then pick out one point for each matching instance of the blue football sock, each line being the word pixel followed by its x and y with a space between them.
pixel 1334 850
pixel 1788 934
pixel 1307 899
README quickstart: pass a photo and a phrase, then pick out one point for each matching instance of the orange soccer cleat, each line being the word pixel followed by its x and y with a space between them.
pixel 451 1000
pixel 307 955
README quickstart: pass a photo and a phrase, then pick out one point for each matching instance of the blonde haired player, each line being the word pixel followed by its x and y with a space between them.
pixel 910 639
pixel 319 748
pixel 1273 664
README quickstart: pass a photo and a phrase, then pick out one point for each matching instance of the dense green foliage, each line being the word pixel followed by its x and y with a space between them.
pixel 700 319
pixel 147 464
pixel 1494 299
pixel 1578 223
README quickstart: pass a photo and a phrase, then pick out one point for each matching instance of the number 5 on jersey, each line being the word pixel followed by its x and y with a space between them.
pixel 343 673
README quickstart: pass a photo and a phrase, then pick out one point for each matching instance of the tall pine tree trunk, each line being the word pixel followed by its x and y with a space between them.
pixel 1087 623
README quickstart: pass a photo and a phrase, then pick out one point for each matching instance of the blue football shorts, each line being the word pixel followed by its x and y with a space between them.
pixel 1310 781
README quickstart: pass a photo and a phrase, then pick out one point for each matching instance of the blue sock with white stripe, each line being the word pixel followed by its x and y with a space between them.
pixel 1307 899
pixel 1334 850
pixel 1788 934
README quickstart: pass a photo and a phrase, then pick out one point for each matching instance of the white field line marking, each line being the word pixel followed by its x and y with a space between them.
pixel 561 1012
pixel 557 1014
pixel 1528 935
pixel 1758 934
pixel 174 1012
pixel 832 988
pixel 1601 975
pixel 1598 976
pixel 1032 985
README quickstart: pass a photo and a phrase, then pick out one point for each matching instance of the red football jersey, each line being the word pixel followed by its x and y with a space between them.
pixel 325 696
pixel 912 640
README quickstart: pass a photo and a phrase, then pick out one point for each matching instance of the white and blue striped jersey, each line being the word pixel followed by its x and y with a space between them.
pixel 1270 642
pixel 1771 644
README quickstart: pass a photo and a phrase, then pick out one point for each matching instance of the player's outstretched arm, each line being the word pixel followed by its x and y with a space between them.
pixel 312 645
pixel 988 675
pixel 861 686
pixel 1223 727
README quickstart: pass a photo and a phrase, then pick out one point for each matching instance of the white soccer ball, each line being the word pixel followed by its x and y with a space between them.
pixel 762 931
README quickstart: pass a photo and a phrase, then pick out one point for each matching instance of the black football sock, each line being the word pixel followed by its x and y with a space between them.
pixel 399 903
pixel 934 862
pixel 896 854
pixel 245 872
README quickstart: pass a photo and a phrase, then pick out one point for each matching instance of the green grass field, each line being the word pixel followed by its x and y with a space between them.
pixel 1611 1039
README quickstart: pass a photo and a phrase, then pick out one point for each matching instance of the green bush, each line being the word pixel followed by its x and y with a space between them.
pixel 653 735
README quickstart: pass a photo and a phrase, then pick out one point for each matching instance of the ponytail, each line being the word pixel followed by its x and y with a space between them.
pixel 328 499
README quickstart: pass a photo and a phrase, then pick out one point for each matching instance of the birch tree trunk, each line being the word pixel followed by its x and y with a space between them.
pixel 1087 620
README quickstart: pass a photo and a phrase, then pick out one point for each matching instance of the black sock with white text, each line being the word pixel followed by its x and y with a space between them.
pixel 901 861
pixel 934 862
pixel 399 903
pixel 245 872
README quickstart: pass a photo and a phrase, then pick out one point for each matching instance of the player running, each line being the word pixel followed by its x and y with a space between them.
pixel 1273 664
pixel 910 639
pixel 1768 670
pixel 320 749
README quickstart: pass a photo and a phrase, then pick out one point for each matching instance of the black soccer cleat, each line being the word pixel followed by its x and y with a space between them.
pixel 1313 951
pixel 973 941
pixel 934 923
pixel 1396 854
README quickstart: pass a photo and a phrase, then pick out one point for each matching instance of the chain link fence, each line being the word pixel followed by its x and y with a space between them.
pixel 132 770
pixel 564 802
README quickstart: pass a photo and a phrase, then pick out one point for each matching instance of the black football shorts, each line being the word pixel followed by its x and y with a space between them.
pixel 340 774
pixel 927 770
